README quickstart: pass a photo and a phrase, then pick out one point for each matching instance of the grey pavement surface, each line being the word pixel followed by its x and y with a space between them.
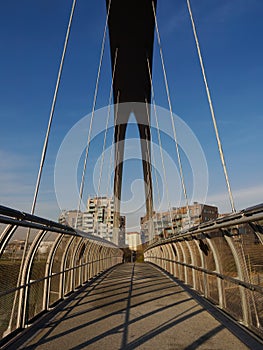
pixel 133 307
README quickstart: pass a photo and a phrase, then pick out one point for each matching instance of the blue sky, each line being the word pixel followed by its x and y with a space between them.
pixel 31 40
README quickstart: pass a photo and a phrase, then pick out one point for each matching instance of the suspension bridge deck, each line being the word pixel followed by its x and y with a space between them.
pixel 133 306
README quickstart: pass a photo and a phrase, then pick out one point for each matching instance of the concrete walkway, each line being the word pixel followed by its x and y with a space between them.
pixel 133 307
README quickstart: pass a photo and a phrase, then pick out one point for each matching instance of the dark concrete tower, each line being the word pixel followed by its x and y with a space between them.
pixel 131 30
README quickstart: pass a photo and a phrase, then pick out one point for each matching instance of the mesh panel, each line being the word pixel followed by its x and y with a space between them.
pixel 196 262
pixel 257 314
pixel 225 257
pixel 56 268
pixel 69 264
pixel 10 261
pixel 174 266
pixel 208 256
pixel 36 291
pixel 233 300
pixel 235 252
pixel 200 282
pixel 167 256
pixel 9 271
pixel 77 281
pixel 86 259
pixel 79 261
pixel 196 253
pixel 2 227
pixel 10 266
pixel 253 254
pixel 35 300
pixel 250 256
pixel 6 307
pixel 188 260
pixel 212 289
pixel 67 282
pixel 180 267
pixel 54 289
pixel 14 269
pixel 85 273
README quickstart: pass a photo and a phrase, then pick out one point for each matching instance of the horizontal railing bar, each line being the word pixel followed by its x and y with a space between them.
pixel 32 218
pixel 6 220
pixel 9 291
pixel 208 228
pixel 15 217
pixel 250 286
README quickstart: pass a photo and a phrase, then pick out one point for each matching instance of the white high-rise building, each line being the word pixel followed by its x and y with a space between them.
pixel 178 219
pixel 87 222
pixel 134 240
pixel 99 217
pixel 69 218
pixel 96 220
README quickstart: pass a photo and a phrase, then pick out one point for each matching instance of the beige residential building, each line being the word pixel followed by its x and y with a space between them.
pixel 134 240
pixel 69 217
pixel 177 219
pixel 96 220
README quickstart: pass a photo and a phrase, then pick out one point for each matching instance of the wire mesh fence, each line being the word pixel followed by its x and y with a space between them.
pixel 223 261
pixel 40 263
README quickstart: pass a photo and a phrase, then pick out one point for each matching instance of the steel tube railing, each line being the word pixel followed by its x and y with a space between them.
pixel 25 294
pixel 222 260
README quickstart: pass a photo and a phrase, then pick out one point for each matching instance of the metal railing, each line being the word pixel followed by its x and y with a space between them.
pixel 56 260
pixel 223 261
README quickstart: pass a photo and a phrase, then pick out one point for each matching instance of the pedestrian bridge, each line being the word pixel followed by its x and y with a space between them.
pixel 200 289
pixel 61 288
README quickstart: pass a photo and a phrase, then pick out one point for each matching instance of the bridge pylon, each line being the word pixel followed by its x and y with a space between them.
pixel 131 30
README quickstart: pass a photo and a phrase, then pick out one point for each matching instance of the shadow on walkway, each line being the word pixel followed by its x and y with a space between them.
pixel 133 307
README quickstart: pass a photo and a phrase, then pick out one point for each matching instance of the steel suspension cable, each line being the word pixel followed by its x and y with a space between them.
pixel 149 168
pixel 160 145
pixel 107 122
pixel 150 234
pixel 248 276
pixel 92 115
pixel 153 166
pixel 158 189
pixel 231 199
pixel 112 143
pixel 163 165
pixel 45 145
pixel 43 155
pixel 222 157
pixel 171 115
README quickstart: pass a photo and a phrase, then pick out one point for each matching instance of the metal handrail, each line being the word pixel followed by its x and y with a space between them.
pixel 250 286
pixel 245 216
pixel 20 291
pixel 19 218
pixel 229 256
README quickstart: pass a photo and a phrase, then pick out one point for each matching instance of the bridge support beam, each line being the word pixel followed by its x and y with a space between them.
pixel 131 31
pixel 123 113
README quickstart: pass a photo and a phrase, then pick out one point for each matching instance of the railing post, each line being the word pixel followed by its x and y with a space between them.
pixel 92 267
pixel 87 264
pixel 170 257
pixel 175 253
pixel 193 262
pixel 203 267
pixel 48 272
pixel 25 276
pixel 63 267
pixel 165 257
pixel 184 261
pixel 5 236
pixel 73 264
pixel 239 261
pixel 221 294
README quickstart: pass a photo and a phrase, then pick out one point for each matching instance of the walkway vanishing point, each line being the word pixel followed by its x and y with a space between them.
pixel 135 306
